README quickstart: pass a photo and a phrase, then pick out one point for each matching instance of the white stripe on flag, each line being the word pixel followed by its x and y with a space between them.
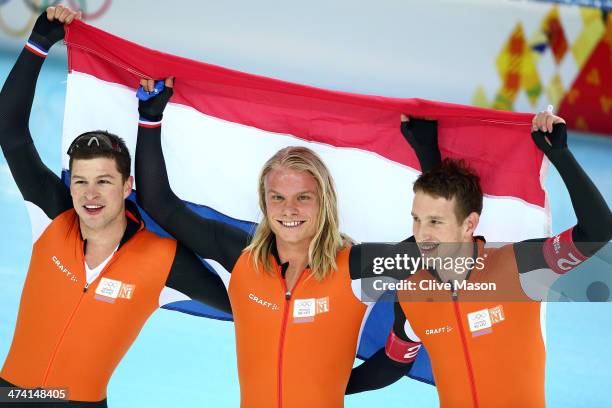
pixel 216 163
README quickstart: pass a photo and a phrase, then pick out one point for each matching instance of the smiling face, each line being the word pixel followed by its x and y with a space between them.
pixel 435 222
pixel 98 192
pixel 292 205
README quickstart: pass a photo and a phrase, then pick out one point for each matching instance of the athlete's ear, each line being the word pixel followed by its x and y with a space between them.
pixel 127 187
pixel 470 224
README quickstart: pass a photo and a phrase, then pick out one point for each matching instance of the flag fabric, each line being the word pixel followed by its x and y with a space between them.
pixel 222 125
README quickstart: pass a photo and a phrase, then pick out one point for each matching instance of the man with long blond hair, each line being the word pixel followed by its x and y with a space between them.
pixel 295 284
pixel 318 244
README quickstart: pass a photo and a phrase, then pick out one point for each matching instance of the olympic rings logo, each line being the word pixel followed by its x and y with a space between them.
pixel 90 15
pixel 36 7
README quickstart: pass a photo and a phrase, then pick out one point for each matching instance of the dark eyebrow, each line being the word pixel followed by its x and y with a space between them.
pixel 98 177
pixel 431 217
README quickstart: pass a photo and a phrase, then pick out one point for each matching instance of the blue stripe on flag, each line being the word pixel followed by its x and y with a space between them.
pixel 196 308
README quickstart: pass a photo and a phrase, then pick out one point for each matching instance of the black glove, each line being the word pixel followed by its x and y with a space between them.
pixel 153 109
pixel 422 135
pixel 46 33
pixel 557 138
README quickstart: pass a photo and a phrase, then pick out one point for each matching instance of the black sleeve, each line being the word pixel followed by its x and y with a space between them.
pixel 363 259
pixel 529 255
pixel 36 182
pixel 189 276
pixel 208 238
pixel 422 135
pixel 593 214
pixel 594 227
pixel 379 370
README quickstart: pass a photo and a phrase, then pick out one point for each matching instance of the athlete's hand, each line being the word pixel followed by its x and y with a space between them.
pixel 544 121
pixel 422 135
pixel 549 132
pixel 419 132
pixel 49 26
pixel 152 109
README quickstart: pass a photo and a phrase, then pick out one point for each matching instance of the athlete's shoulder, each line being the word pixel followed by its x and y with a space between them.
pixel 154 238
pixel 246 254
pixel 153 244
pixel 67 216
pixel 499 259
pixel 498 251
pixel 343 256
pixel 346 249
pixel 246 262
pixel 66 220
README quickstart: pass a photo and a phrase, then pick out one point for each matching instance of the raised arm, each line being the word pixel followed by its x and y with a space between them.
pixel 208 238
pixel 593 214
pixel 594 220
pixel 422 135
pixel 368 260
pixel 37 183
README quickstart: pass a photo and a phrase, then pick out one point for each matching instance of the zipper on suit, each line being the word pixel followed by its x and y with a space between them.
pixel 466 352
pixel 74 311
pixel 281 341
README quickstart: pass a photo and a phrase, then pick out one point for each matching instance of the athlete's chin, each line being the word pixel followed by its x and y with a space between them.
pixel 294 238
pixel 86 217
pixel 93 224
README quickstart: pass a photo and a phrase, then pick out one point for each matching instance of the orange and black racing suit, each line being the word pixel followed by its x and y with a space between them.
pixel 70 333
pixel 488 350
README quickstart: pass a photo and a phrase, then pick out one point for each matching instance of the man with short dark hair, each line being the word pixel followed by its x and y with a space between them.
pixel 486 346
pixel 96 274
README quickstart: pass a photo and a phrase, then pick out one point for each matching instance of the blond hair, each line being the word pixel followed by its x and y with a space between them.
pixel 327 240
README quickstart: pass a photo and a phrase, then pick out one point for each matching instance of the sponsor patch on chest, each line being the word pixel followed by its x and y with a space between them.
pixel 305 310
pixel 110 289
pixel 481 321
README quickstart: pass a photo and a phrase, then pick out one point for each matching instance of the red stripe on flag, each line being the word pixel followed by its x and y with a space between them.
pixel 497 144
